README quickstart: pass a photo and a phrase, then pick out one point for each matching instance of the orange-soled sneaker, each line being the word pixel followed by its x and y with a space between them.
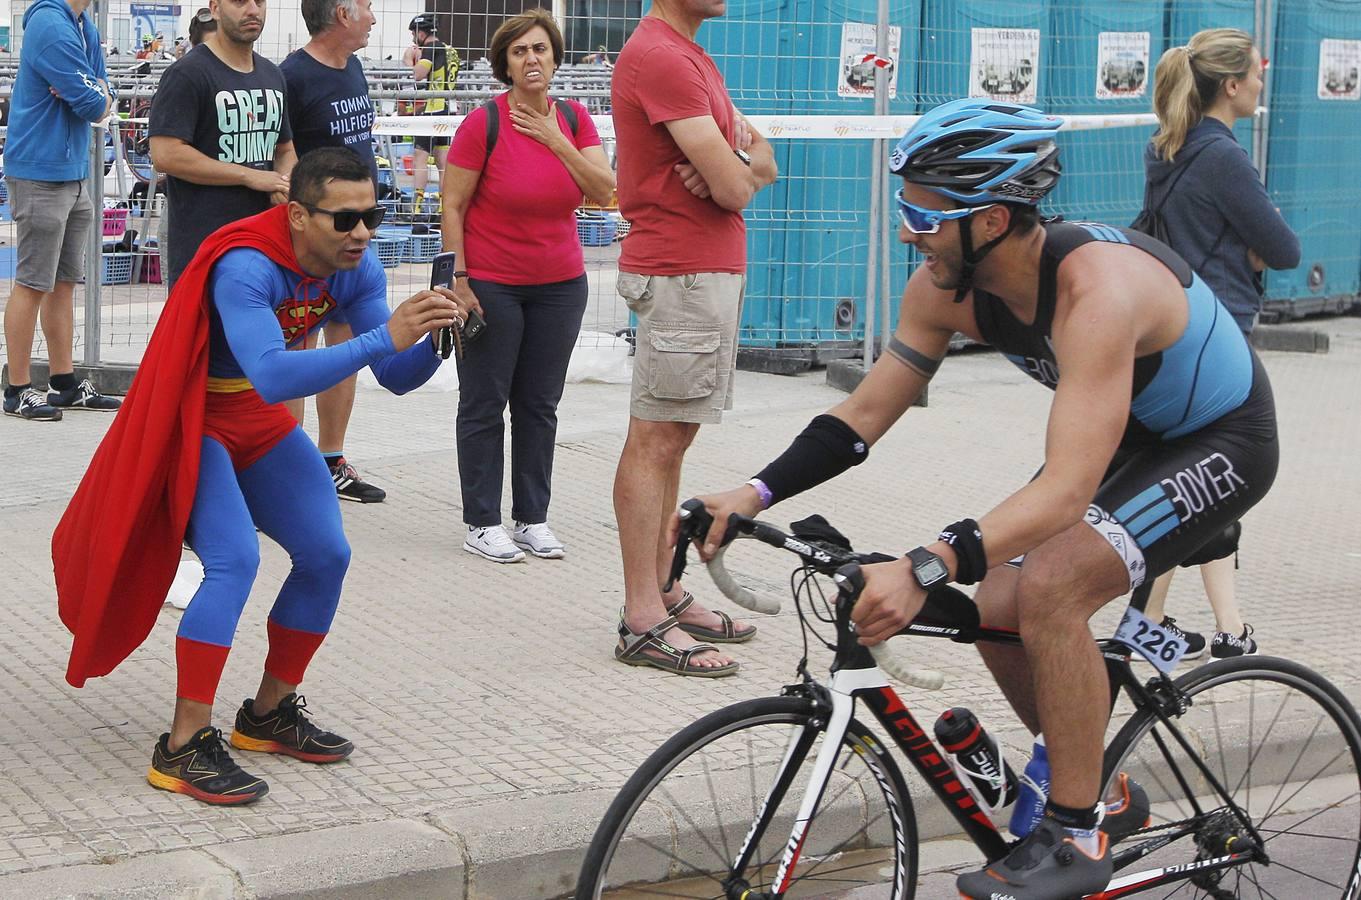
pixel 286 730
pixel 1045 865
pixel 204 770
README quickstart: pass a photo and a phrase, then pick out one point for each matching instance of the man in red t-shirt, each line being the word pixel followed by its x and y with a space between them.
pixel 688 165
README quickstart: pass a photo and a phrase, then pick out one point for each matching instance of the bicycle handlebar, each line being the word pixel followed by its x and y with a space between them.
pixel 695 523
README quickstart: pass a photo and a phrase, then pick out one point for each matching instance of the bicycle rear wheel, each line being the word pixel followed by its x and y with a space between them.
pixel 681 821
pixel 1286 746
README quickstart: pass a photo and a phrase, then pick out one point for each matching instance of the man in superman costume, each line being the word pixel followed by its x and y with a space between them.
pixel 204 451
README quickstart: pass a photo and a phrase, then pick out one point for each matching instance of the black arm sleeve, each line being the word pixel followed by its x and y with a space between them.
pixel 822 451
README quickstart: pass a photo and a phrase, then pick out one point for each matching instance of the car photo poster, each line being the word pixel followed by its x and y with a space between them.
pixel 860 60
pixel 1339 64
pixel 1004 64
pixel 1121 64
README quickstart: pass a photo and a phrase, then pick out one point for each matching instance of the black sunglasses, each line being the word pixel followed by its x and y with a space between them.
pixel 346 219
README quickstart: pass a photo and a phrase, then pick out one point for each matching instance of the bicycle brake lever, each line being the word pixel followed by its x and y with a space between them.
pixel 850 579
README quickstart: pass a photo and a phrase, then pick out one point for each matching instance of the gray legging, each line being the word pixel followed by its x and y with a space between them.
pixel 520 359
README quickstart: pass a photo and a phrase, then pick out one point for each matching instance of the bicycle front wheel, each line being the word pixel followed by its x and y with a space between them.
pixel 710 813
pixel 1285 744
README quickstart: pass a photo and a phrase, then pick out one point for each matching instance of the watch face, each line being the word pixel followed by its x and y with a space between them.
pixel 929 571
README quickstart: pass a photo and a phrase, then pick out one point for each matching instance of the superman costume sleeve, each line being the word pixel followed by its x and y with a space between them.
pixel 116 548
pixel 245 293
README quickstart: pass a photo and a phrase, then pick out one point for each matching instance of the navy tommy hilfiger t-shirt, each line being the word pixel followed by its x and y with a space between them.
pixel 329 107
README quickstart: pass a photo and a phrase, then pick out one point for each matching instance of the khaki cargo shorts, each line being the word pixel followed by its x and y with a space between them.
pixel 686 354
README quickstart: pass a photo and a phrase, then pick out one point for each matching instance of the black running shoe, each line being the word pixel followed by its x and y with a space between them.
pixel 349 486
pixel 204 770
pixel 1194 640
pixel 288 731
pixel 1127 812
pixel 1046 865
pixel 83 396
pixel 1227 646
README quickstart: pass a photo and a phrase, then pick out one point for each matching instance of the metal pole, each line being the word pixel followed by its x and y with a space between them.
pixel 875 265
pixel 1261 125
pixel 95 247
pixel 94 264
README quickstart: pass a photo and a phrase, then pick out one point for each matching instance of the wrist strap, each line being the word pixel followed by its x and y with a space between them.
pixel 461 274
pixel 967 541
pixel 767 497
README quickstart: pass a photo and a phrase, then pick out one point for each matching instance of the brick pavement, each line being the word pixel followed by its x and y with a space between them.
pixel 492 723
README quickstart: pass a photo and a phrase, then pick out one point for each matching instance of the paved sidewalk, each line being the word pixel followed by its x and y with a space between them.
pixel 492 723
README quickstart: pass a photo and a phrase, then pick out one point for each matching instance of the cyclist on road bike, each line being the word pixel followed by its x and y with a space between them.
pixel 1161 434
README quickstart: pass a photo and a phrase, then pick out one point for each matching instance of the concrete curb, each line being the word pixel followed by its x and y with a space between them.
pixel 528 848
pixel 1297 340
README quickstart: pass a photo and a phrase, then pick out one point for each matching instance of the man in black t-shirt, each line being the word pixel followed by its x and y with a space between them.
pixel 435 70
pixel 329 106
pixel 219 130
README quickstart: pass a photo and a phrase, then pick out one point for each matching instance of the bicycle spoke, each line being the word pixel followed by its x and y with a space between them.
pixel 1290 868
pixel 680 810
pixel 718 815
pixel 1306 744
pixel 1305 784
pixel 676 859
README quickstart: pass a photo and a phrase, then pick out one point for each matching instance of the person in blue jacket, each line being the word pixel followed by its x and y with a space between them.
pixel 1220 219
pixel 61 89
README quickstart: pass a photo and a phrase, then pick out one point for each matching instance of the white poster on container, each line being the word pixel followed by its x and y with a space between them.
pixel 1121 64
pixel 1004 64
pixel 859 60
pixel 1339 64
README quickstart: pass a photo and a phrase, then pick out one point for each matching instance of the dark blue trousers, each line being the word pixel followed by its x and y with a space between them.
pixel 521 361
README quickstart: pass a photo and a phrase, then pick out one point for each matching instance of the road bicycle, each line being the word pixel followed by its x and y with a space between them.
pixel 1250 764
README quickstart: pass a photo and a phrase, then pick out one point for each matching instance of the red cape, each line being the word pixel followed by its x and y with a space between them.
pixel 116 549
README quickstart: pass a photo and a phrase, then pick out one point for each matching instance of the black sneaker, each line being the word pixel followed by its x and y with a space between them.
pixel 288 731
pixel 1227 646
pixel 1046 865
pixel 204 770
pixel 31 405
pixel 83 396
pixel 1127 812
pixel 349 486
pixel 1194 640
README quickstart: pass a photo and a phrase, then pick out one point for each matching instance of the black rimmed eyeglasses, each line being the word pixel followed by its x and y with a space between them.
pixel 346 219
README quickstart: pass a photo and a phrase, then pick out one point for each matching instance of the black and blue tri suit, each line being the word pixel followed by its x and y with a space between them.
pixel 1200 447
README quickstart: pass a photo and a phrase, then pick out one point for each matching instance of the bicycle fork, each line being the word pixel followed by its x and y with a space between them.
pixel 840 696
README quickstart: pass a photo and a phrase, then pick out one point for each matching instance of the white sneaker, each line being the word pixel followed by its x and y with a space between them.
pixel 538 539
pixel 493 543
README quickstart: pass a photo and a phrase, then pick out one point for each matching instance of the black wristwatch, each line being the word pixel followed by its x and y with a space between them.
pixel 929 569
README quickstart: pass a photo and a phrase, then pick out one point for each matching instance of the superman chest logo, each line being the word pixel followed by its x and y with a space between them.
pixel 297 315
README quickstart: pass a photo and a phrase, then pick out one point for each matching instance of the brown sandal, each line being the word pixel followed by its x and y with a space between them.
pixel 728 634
pixel 673 659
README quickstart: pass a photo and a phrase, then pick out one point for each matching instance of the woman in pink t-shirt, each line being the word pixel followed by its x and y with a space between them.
pixel 509 214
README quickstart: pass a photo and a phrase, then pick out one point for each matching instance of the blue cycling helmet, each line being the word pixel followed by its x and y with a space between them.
pixel 980 151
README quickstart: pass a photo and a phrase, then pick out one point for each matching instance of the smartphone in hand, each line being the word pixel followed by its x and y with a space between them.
pixel 446 341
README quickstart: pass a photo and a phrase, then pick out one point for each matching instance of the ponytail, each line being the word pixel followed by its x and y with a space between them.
pixel 1188 79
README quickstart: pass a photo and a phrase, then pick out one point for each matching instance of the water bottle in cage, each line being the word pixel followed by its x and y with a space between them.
pixel 976 758
pixel 1034 792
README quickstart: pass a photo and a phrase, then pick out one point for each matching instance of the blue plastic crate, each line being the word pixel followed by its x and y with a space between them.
pixel 596 231
pixel 421 248
pixel 389 250
pixel 116 268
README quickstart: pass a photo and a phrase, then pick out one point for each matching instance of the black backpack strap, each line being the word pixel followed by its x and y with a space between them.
pixel 570 114
pixel 1185 166
pixel 493 128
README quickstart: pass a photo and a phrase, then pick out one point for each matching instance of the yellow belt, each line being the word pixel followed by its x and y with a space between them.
pixel 228 385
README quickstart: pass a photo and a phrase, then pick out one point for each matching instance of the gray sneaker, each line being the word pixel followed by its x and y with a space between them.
pixel 493 543
pixel 30 404
pixel 1046 865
